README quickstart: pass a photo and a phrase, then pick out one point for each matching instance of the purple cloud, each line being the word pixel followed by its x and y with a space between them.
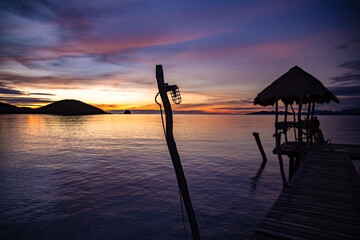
pixel 350 77
pixel 5 90
pixel 22 100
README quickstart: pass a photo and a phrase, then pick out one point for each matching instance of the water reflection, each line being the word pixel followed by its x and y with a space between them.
pixel 254 181
pixel 111 177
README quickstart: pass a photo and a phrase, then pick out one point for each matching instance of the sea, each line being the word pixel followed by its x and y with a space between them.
pixel 111 176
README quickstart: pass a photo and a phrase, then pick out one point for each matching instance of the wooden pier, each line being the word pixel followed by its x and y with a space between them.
pixel 322 201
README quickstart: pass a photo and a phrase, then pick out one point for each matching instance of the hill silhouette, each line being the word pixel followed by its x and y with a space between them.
pixel 69 107
pixel 11 109
pixel 63 107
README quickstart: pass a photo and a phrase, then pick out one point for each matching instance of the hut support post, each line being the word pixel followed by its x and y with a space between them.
pixel 258 142
pixel 281 163
pixel 299 122
pixel 276 116
pixel 291 166
pixel 163 89
pixel 312 111
pixel 308 111
pixel 308 125
pixel 312 118
pixel 285 122
pixel 294 121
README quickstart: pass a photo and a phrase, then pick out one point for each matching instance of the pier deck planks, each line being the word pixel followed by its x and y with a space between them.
pixel 321 202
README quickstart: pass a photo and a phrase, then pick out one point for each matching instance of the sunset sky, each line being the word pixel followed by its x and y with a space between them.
pixel 220 53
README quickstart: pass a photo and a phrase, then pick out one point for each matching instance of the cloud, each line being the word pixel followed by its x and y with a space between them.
pixel 56 82
pixel 346 102
pixel 346 90
pixel 248 101
pixel 10 91
pixel 352 77
pixel 62 15
pixel 42 94
pixel 351 65
pixel 348 45
pixel 342 46
pixel 347 77
pixel 25 100
pixel 6 90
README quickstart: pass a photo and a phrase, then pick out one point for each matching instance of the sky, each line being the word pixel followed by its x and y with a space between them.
pixel 221 54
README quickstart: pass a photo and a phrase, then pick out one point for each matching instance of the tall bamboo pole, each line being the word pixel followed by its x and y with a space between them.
pixel 163 89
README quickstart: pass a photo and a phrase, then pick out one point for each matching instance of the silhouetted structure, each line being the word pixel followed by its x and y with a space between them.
pixel 296 87
pixel 322 201
pixel 127 112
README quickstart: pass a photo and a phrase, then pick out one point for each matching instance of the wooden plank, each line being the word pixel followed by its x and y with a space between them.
pixel 311 231
pixel 321 202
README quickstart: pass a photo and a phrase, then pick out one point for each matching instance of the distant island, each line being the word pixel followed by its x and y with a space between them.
pixel 63 107
pixel 317 112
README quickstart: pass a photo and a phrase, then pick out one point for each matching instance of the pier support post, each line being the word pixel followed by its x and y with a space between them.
pixel 258 142
pixel 292 166
pixel 281 163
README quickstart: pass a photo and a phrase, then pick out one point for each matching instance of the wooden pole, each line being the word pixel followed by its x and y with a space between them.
pixel 281 163
pixel 308 111
pixel 276 116
pixel 308 125
pixel 278 147
pixel 285 122
pixel 299 122
pixel 277 111
pixel 313 111
pixel 312 118
pixel 294 121
pixel 258 142
pixel 163 89
pixel 291 166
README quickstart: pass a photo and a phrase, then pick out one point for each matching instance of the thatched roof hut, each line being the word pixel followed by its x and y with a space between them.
pixel 292 86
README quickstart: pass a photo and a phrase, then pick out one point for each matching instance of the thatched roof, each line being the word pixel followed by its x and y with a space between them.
pixel 295 83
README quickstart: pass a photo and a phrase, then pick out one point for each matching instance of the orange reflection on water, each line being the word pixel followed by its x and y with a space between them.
pixel 35 121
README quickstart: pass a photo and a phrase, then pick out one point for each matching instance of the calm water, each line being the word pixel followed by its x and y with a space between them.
pixel 111 176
